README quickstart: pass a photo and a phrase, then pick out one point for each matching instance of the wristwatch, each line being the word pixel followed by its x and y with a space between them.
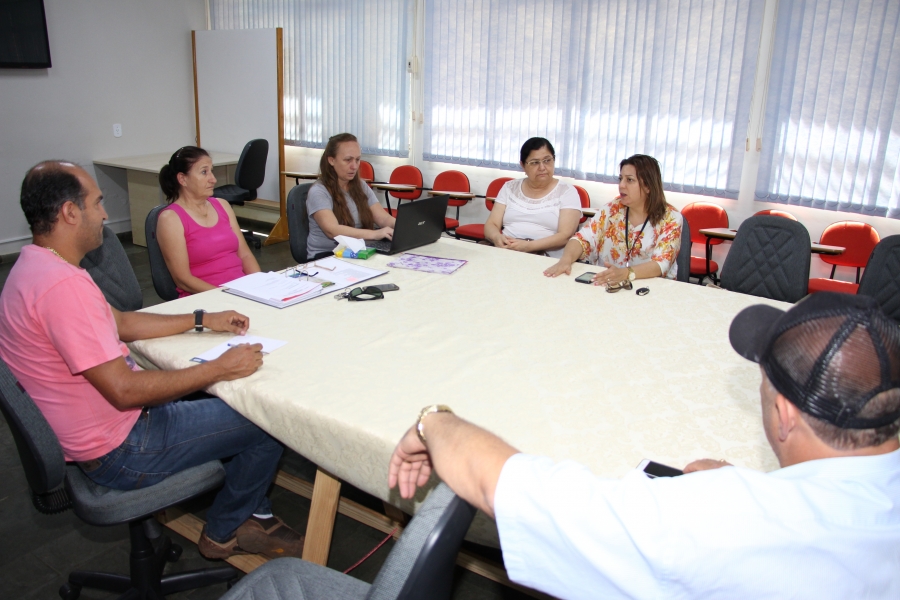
pixel 198 319
pixel 420 427
pixel 631 275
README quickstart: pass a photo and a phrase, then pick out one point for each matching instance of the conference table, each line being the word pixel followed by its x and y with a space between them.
pixel 553 366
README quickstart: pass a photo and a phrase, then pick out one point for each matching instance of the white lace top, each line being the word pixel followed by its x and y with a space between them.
pixel 535 218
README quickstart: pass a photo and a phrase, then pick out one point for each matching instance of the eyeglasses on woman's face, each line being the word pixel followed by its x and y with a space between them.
pixel 547 162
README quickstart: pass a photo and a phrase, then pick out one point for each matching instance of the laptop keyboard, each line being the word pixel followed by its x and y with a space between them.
pixel 383 245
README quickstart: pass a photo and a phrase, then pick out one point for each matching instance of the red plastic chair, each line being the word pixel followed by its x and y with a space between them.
pixel 406 175
pixel 776 213
pixel 704 215
pixel 475 231
pixel 366 172
pixel 585 200
pixel 858 239
pixel 452 181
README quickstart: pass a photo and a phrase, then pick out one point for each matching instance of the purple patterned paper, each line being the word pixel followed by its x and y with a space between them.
pixel 427 264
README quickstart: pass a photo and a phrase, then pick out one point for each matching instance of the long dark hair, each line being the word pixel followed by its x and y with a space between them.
pixel 649 176
pixel 328 178
pixel 180 162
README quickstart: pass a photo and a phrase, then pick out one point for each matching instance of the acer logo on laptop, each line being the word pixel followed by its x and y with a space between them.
pixel 421 223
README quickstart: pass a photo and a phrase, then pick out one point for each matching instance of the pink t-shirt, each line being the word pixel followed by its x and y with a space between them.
pixel 54 325
pixel 212 251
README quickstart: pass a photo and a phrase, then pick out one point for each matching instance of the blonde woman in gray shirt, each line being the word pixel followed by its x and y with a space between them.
pixel 355 213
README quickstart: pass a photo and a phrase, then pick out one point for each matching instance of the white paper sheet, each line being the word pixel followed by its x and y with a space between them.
pixel 268 345
pixel 353 243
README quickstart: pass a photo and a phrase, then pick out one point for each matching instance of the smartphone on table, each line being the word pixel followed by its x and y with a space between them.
pixel 386 287
pixel 654 469
pixel 585 277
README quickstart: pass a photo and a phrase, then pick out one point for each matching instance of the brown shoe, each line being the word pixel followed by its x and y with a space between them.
pixel 216 551
pixel 269 537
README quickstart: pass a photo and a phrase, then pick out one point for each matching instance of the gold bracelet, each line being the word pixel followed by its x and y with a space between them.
pixel 434 408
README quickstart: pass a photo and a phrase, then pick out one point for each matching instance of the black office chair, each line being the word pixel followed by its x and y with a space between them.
pixel 769 258
pixel 684 253
pixel 419 567
pixel 881 279
pixel 248 176
pixel 111 270
pixel 56 486
pixel 298 223
pixel 159 272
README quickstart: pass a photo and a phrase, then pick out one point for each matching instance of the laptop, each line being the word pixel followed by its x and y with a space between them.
pixel 418 223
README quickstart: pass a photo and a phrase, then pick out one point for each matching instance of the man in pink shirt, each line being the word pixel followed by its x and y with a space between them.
pixel 125 427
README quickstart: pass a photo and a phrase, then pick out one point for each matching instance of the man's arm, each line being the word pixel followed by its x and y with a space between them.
pixel 134 326
pixel 124 388
pixel 466 457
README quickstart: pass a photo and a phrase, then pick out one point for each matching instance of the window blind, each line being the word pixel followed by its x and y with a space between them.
pixel 600 79
pixel 345 67
pixel 831 137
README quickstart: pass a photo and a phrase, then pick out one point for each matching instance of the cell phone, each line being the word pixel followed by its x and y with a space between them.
pixel 654 469
pixel 585 278
pixel 386 287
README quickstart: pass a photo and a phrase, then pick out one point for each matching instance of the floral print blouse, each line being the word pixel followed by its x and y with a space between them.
pixel 603 239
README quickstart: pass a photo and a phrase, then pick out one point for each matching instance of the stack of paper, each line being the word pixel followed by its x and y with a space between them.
pixel 273 289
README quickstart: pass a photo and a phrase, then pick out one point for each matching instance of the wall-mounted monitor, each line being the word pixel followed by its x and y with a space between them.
pixel 23 35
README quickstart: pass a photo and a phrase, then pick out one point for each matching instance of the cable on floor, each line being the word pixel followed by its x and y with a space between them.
pixel 372 551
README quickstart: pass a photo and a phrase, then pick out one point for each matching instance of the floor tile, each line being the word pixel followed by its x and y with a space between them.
pixel 23 575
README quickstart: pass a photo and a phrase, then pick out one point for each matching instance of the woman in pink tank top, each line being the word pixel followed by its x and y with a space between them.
pixel 198 234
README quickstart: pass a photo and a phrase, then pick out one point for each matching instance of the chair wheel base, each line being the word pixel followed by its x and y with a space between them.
pixel 69 591
pixel 173 553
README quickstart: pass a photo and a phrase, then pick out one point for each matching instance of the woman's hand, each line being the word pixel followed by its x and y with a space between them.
pixel 385 233
pixel 563 267
pixel 611 275
pixel 520 245
pixel 500 241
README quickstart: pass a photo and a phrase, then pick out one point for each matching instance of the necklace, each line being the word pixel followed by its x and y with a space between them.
pixel 56 253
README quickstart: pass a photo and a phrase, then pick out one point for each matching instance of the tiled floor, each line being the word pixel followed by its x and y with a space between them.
pixel 38 551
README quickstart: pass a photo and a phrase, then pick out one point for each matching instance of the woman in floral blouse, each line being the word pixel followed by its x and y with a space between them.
pixel 636 236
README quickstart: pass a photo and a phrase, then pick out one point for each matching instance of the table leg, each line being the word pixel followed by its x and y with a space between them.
pixel 326 495
pixel 387 198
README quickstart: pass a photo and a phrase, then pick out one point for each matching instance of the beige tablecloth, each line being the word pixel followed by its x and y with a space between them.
pixel 553 366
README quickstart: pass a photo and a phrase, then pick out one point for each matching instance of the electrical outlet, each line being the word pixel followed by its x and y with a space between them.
pixel 117 129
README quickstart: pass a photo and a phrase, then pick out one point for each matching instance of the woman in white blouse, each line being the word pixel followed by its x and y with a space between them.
pixel 536 214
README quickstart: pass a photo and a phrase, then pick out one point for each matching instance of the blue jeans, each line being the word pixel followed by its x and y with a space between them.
pixel 172 437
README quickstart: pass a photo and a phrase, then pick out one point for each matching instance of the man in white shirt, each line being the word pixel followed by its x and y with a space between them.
pixel 825 525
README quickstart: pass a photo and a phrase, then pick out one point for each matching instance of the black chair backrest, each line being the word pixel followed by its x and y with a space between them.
pixel 251 167
pixel 684 253
pixel 298 220
pixel 111 270
pixel 421 565
pixel 159 272
pixel 769 258
pixel 39 449
pixel 881 279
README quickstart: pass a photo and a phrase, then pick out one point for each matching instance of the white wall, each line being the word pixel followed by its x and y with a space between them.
pixel 113 62
pixel 303 159
pixel 232 115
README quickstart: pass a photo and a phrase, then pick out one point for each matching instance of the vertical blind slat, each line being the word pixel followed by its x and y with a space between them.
pixel 345 67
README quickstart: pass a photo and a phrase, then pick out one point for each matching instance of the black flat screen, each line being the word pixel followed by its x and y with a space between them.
pixel 23 35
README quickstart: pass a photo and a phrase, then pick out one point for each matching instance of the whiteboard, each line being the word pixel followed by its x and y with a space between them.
pixel 237 95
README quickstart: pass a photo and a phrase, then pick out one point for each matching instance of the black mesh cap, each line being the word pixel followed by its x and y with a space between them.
pixel 829 355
